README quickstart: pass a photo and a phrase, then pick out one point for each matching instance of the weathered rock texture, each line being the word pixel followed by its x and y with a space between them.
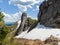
pixel 24 25
pixel 33 26
pixel 23 20
pixel 52 40
pixel 49 13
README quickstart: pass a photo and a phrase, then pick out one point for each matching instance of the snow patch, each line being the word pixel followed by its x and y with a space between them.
pixel 40 32
pixel 18 24
pixel 22 34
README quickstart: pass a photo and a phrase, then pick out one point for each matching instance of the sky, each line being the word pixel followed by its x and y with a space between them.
pixel 13 9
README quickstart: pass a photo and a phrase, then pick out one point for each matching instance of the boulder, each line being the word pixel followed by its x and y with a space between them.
pixel 49 13
pixel 52 40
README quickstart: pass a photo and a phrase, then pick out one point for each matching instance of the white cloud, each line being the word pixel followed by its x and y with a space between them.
pixel 37 7
pixel 33 18
pixel 24 4
pixel 22 8
pixel 12 18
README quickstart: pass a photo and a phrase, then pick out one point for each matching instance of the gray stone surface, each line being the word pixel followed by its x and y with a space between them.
pixel 49 13
pixel 23 20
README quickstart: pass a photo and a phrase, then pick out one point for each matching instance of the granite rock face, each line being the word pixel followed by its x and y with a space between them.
pixel 49 13
pixel 24 25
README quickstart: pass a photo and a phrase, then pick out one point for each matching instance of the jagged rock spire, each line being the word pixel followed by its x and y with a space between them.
pixel 23 20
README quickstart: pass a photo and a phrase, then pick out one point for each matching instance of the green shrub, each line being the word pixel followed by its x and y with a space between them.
pixel 31 21
pixel 3 28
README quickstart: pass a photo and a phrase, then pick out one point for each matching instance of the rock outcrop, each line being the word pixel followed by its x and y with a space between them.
pixel 52 40
pixel 24 25
pixel 49 13
pixel 23 20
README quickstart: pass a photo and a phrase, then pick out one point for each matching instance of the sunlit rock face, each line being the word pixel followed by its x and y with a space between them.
pixel 52 40
pixel 20 27
pixel 49 13
pixel 23 24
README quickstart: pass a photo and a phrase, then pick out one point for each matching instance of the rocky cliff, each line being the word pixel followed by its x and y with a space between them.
pixel 49 13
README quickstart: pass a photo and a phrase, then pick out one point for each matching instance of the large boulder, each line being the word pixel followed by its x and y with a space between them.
pixel 52 40
pixel 49 13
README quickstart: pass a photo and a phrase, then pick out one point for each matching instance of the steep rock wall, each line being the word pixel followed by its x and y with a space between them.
pixel 49 13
